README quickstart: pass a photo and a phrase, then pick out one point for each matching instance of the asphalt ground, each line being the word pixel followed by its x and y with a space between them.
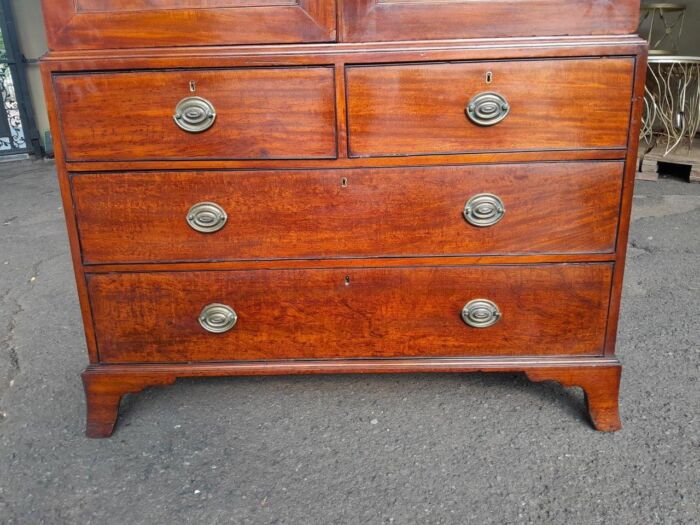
pixel 433 449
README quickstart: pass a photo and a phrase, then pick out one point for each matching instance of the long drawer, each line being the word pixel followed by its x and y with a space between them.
pixel 254 113
pixel 372 312
pixel 414 109
pixel 492 209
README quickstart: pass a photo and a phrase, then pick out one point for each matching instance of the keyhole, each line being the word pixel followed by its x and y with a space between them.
pixel 344 182
pixel 347 280
pixel 193 86
pixel 489 77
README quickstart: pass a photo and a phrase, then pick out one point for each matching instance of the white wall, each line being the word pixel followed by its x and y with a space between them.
pixel 32 41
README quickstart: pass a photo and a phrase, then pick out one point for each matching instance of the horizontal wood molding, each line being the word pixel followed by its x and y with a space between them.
pixel 367 262
pixel 354 366
pixel 350 163
pixel 345 53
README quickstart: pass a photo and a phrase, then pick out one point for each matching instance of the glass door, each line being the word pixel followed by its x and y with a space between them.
pixel 16 127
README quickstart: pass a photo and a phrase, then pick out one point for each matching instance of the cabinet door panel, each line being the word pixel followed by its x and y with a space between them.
pixel 381 20
pixel 91 24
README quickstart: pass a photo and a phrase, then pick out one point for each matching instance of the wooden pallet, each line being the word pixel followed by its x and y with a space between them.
pixel 651 164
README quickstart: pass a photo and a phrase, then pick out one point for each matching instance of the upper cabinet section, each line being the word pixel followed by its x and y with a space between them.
pixel 124 24
pixel 100 24
pixel 385 20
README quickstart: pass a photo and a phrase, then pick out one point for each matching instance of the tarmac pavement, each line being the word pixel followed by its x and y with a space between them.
pixel 404 449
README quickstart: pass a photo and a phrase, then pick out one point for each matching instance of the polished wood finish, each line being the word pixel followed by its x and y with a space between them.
pixel 389 114
pixel 99 24
pixel 287 132
pixel 341 162
pixel 383 262
pixel 377 20
pixel 261 114
pixel 349 213
pixel 363 312
pixel 598 377
pixel 601 388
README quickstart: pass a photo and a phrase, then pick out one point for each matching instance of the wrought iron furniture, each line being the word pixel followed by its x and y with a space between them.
pixel 672 102
pixel 662 23
pixel 414 192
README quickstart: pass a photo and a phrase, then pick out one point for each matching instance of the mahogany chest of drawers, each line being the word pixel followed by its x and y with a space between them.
pixel 346 186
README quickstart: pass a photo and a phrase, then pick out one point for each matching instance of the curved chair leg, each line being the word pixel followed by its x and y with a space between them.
pixel 601 386
pixel 103 394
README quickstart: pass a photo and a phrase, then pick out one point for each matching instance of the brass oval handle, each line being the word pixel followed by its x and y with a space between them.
pixel 481 313
pixel 218 318
pixel 195 114
pixel 206 217
pixel 484 209
pixel 487 109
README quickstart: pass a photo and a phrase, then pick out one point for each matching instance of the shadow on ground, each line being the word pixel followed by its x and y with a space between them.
pixel 434 449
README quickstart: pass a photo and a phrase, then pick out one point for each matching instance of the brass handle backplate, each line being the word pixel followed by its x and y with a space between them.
pixel 206 217
pixel 195 114
pixel 481 313
pixel 487 109
pixel 218 318
pixel 484 210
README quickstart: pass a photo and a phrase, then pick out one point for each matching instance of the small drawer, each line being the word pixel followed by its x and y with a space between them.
pixel 352 313
pixel 536 105
pixel 555 208
pixel 198 114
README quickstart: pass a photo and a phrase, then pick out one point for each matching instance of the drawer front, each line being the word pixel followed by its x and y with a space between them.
pixel 372 20
pixel 108 24
pixel 546 208
pixel 520 105
pixel 397 312
pixel 198 114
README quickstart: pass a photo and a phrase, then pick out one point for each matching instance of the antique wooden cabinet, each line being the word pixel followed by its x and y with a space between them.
pixel 346 186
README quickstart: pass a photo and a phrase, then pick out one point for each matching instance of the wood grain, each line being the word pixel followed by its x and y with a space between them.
pixel 626 204
pixel 93 24
pixel 367 278
pixel 559 208
pixel 263 113
pixel 555 104
pixel 376 20
pixel 599 377
pixel 373 312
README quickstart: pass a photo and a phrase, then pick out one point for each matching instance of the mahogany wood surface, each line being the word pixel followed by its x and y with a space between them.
pixel 344 53
pixel 358 313
pixel 598 377
pixel 366 276
pixel 261 114
pixel 100 24
pixel 550 208
pixel 69 215
pixel 376 20
pixel 626 205
pixel 379 262
pixel 508 157
pixel 554 104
